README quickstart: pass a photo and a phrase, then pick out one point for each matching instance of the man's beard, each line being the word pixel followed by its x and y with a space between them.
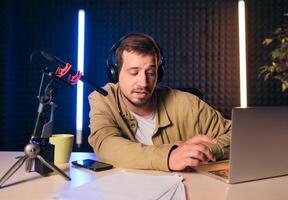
pixel 137 104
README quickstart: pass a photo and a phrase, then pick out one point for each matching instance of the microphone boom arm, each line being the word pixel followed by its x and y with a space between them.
pixel 71 72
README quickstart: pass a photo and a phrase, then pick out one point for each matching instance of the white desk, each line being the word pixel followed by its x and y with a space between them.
pixel 31 185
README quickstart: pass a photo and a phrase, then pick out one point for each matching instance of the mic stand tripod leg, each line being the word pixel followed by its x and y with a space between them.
pixel 13 169
pixel 28 165
pixel 53 167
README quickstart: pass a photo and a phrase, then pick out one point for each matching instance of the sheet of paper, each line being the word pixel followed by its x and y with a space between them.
pixel 124 185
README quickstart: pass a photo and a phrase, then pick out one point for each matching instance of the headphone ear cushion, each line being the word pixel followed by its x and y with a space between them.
pixel 112 72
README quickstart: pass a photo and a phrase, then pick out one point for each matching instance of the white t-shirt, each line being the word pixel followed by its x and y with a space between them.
pixel 146 126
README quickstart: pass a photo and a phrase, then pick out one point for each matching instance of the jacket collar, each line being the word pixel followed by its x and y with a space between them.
pixel 122 109
pixel 163 119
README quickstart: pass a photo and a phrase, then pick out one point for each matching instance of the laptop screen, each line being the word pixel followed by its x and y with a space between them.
pixel 259 143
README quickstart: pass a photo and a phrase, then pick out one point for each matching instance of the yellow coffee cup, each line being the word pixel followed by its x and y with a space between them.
pixel 63 147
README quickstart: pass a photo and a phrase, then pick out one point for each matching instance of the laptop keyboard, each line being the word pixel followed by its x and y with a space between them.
pixel 224 173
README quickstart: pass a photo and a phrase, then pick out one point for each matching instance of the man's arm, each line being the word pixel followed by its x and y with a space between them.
pixel 191 152
pixel 213 124
pixel 212 143
pixel 108 143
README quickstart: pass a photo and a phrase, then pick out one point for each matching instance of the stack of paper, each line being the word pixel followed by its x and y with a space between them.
pixel 127 185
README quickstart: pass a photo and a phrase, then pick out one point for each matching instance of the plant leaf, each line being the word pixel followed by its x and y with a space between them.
pixel 267 41
pixel 267 75
pixel 278 30
pixel 284 85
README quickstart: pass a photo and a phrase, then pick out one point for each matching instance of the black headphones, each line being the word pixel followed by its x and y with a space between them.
pixel 112 68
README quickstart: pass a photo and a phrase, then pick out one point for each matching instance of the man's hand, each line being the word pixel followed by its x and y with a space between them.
pixel 191 152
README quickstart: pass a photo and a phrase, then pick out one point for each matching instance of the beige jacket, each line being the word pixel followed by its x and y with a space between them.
pixel 180 116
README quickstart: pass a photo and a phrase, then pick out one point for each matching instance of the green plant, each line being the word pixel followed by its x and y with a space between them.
pixel 278 69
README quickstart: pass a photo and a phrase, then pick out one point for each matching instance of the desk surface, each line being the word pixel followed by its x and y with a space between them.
pixel 31 185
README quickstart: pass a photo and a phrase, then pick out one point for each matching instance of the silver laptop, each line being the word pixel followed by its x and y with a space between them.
pixel 259 146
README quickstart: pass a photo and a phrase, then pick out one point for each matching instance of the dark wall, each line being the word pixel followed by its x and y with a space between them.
pixel 28 26
pixel 199 40
pixel 263 18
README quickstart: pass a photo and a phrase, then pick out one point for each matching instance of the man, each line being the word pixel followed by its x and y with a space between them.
pixel 138 125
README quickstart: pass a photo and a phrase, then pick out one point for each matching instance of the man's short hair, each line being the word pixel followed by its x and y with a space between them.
pixel 141 44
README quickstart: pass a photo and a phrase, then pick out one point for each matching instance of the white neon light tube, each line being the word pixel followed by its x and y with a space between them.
pixel 242 54
pixel 80 65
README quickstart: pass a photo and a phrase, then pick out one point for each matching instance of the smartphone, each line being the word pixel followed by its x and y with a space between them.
pixel 92 165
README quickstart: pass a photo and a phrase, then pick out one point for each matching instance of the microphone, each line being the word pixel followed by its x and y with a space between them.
pixel 73 76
